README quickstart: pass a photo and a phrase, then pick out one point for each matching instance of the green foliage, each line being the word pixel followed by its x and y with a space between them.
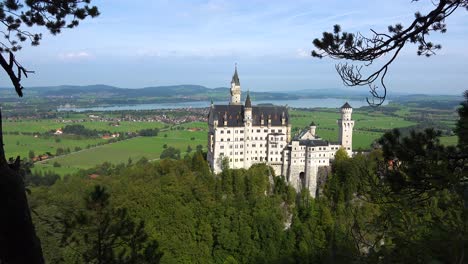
pixel 462 124
pixel 149 132
pixel 195 216
pixel 170 153
pixel 99 233
pixel 80 130
pixel 31 154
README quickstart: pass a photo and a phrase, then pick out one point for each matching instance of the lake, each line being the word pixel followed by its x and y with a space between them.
pixel 299 103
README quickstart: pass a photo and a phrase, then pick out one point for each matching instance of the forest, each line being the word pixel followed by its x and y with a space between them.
pixel 403 202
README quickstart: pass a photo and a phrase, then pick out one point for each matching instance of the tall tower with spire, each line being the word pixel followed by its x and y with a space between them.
pixel 235 89
pixel 346 125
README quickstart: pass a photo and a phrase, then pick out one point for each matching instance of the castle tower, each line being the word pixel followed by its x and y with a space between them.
pixel 235 89
pixel 247 131
pixel 312 128
pixel 346 125
pixel 248 110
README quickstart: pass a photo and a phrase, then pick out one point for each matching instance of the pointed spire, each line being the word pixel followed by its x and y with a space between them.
pixel 235 77
pixel 212 104
pixel 248 103
pixel 346 105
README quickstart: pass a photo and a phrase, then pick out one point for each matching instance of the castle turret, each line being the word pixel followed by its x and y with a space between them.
pixel 235 89
pixel 312 128
pixel 248 110
pixel 346 125
pixel 247 131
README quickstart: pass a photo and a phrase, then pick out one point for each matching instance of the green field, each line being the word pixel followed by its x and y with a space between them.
pixel 370 125
pixel 46 125
pixel 20 145
pixel 135 149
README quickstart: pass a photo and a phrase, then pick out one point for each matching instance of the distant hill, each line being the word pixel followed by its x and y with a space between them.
pixel 100 94
pixel 185 90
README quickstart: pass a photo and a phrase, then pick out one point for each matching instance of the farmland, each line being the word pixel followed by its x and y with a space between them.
pixel 25 135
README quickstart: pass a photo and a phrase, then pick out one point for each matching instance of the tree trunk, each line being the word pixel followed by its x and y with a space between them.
pixel 18 240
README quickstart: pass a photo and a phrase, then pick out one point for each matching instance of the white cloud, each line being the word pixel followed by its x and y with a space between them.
pixel 302 53
pixel 80 55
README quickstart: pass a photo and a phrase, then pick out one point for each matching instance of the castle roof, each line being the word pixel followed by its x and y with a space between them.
pixel 234 115
pixel 248 103
pixel 346 105
pixel 314 142
pixel 235 77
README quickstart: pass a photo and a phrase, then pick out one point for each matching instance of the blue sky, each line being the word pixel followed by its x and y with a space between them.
pixel 141 43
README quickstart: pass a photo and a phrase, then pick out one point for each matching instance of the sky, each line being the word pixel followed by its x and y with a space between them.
pixel 141 43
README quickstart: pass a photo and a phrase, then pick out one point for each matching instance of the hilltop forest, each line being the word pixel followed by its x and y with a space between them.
pixel 404 202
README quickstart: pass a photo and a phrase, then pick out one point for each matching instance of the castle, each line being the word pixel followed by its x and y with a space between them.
pixel 241 135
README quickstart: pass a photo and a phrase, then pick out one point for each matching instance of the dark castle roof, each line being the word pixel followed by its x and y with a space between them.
pixel 248 103
pixel 234 114
pixel 235 78
pixel 346 105
pixel 313 142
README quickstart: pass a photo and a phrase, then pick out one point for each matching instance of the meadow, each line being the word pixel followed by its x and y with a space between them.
pixel 370 125
pixel 123 151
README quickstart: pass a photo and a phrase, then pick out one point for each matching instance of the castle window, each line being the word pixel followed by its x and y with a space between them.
pixel 242 153
pixel 222 139
pixel 241 131
pixel 230 146
pixel 253 145
pixel 256 138
pixel 261 145
pixel 221 147
pixel 280 130
pixel 228 139
pixel 265 130
pixel 222 131
pixel 221 153
pixel 258 130
pixel 229 131
pixel 241 159
pixel 272 131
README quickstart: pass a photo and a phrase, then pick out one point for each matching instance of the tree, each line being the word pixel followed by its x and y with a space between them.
pixel 199 148
pixel 462 124
pixel 31 154
pixel 18 240
pixel 103 234
pixel 421 189
pixel 170 153
pixel 356 47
